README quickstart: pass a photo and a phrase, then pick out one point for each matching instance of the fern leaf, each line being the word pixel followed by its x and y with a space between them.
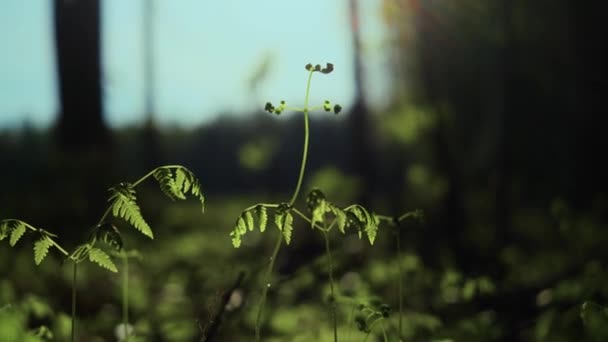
pixel 249 220
pixel 181 180
pixel 359 217
pixel 236 239
pixel 18 229
pixel 278 219
pixel 262 217
pixel 4 229
pixel 318 206
pixel 190 182
pixel 102 259
pixel 41 249
pixel 372 228
pixel 288 227
pixel 284 221
pixel 240 228
pixel 168 184
pixel 340 218
pixel 124 206
pixel 109 234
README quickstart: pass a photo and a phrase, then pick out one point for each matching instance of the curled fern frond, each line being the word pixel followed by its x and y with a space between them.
pixel 363 221
pixel 318 206
pixel 109 234
pixel 102 259
pixel 124 206
pixel 177 181
pixel 80 253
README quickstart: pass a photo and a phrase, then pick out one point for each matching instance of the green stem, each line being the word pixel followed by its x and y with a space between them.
pixel 371 328
pixel 267 284
pixel 306 138
pixel 267 205
pixel 277 246
pixel 125 295
pixel 400 282
pixel 350 322
pixel 147 175
pixel 384 332
pixel 74 302
pixel 331 287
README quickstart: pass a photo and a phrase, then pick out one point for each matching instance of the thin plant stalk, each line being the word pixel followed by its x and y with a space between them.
pixel 296 192
pixel 400 282
pixel 331 287
pixel 267 284
pixel 125 295
pixel 74 301
pixel 371 328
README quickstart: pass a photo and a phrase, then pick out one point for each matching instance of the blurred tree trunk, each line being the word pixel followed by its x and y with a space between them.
pixel 360 123
pixel 77 34
pixel 83 165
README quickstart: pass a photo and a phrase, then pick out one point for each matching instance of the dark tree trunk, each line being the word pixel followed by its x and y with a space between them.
pixel 84 164
pixel 77 34
pixel 360 123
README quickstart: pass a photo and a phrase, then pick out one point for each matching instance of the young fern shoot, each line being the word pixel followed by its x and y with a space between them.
pixel 175 181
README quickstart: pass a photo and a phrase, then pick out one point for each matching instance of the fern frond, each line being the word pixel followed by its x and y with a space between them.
pixel 124 206
pixel 168 184
pixel 249 220
pixel 17 232
pixel 284 222
pixel 288 227
pixel 359 217
pixel 102 259
pixel 4 230
pixel 240 229
pixel 41 249
pixel 318 206
pixel 262 217
pixel 340 218
pixel 109 234
pixel 177 181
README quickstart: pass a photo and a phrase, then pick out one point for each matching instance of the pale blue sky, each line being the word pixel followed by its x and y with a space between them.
pixel 205 53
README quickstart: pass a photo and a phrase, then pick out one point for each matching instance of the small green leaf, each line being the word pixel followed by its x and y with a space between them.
pixel 262 217
pixel 41 249
pixel 287 227
pixel 249 220
pixel 318 206
pixel 4 229
pixel 18 231
pixel 340 218
pixel 124 206
pixel 102 259
pixel 278 219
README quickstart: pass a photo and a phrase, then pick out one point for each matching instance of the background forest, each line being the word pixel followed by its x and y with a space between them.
pixel 491 124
